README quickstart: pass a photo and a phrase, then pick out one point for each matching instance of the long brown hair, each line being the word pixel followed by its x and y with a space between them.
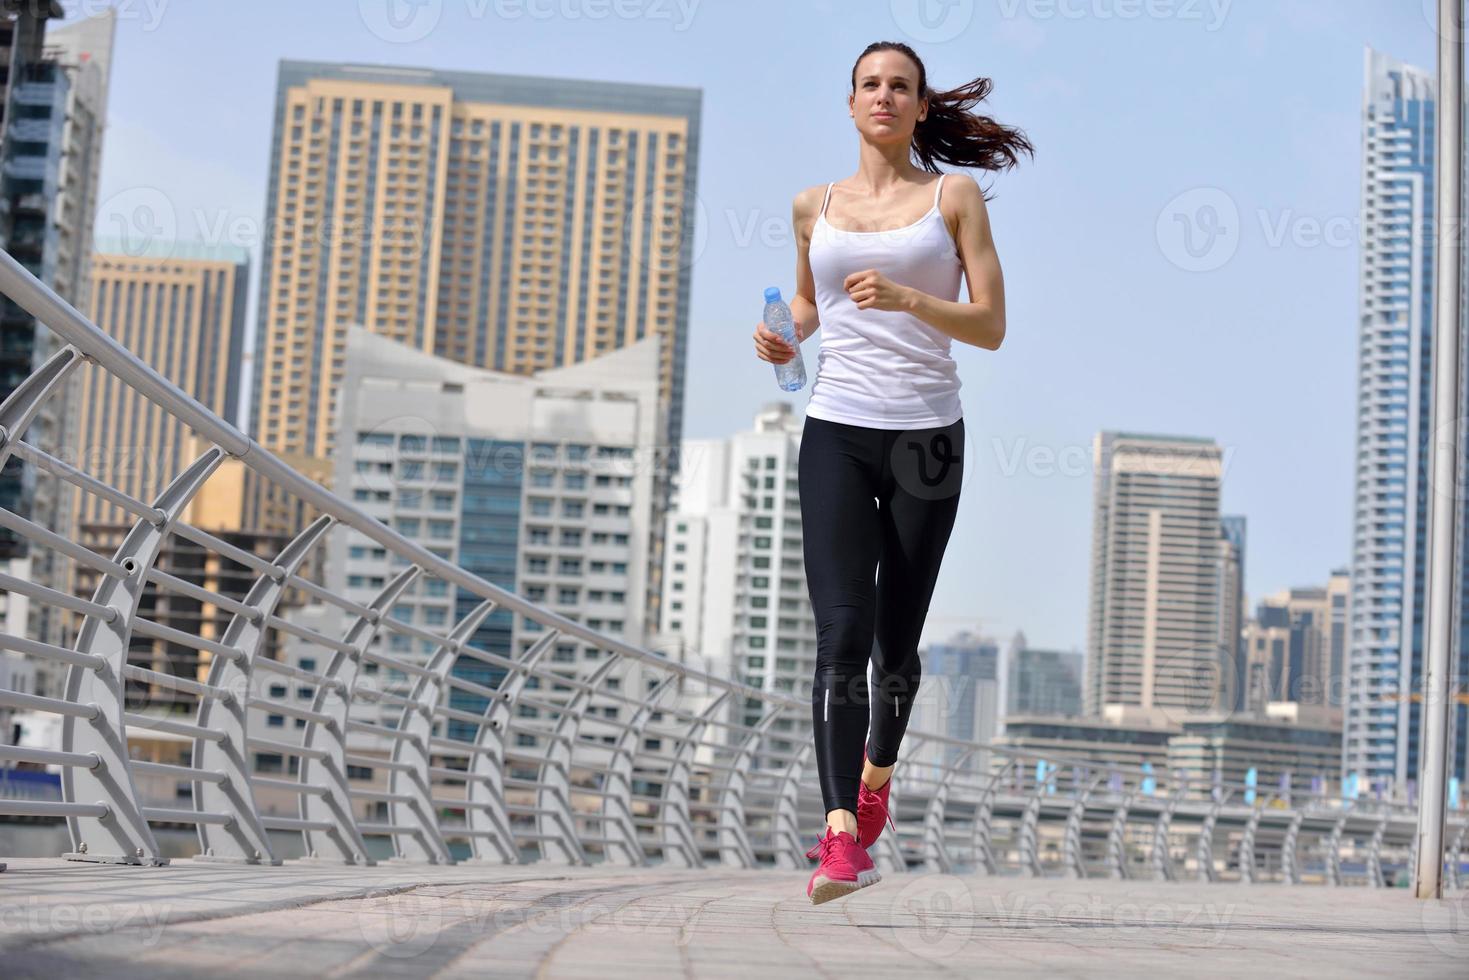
pixel 950 133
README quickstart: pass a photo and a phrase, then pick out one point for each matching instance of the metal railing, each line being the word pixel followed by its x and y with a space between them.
pixel 641 759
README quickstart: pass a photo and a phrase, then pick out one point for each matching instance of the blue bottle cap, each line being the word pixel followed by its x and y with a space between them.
pixel 772 295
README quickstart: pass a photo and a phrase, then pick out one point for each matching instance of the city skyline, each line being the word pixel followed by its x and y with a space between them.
pixel 1027 502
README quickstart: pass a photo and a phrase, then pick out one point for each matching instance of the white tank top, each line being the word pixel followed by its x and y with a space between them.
pixel 884 369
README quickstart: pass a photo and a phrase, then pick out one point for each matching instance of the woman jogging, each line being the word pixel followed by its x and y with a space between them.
pixel 881 456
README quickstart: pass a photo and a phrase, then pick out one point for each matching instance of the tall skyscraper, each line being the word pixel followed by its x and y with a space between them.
pixel 508 222
pixel 184 316
pixel 735 570
pixel 1290 646
pixel 959 696
pixel 1043 682
pixel 55 82
pixel 1394 437
pixel 1232 665
pixel 1155 577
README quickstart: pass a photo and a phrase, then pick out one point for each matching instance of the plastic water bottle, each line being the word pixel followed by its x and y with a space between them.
pixel 791 376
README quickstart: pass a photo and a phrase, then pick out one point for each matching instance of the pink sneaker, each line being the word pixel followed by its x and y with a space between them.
pixel 872 809
pixel 845 867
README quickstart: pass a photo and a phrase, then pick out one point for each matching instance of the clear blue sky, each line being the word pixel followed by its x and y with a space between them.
pixel 1253 104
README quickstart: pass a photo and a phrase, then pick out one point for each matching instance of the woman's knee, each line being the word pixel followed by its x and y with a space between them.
pixel 899 684
pixel 844 636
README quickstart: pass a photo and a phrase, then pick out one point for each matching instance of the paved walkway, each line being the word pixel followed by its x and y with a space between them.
pixel 61 920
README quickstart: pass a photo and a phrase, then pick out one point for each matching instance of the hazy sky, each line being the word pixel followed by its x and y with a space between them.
pixel 1180 257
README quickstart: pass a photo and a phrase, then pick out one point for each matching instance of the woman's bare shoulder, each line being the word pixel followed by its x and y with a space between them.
pixel 963 190
pixel 805 207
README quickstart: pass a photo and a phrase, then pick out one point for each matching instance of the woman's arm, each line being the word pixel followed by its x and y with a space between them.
pixel 980 321
pixel 803 219
pixel 768 344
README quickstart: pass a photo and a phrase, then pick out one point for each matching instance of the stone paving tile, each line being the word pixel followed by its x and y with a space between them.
pixel 532 921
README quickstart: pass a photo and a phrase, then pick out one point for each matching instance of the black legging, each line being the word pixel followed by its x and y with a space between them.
pixel 871 499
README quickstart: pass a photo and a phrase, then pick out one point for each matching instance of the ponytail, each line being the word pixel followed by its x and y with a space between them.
pixel 951 133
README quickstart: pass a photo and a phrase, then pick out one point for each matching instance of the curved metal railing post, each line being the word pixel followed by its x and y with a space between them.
pixel 1333 849
pixel 984 820
pixel 935 836
pixel 244 838
pixel 409 783
pixel 618 828
pixel 733 838
pixel 123 835
pixel 555 818
pixel 1204 853
pixel 680 847
pixel 492 839
pixel 1160 859
pixel 1374 852
pixel 327 823
pixel 1454 850
pixel 790 853
pixel 20 409
pixel 1117 868
pixel 1030 857
pixel 1247 845
pixel 1071 836
pixel 1290 858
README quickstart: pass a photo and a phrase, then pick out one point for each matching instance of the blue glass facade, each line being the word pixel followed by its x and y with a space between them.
pixel 1394 436
pixel 489 530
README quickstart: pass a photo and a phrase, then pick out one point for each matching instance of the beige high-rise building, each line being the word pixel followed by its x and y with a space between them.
pixel 184 315
pixel 181 309
pixel 512 223
pixel 1297 645
pixel 1155 578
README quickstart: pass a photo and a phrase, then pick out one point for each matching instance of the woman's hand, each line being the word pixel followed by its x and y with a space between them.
pixel 871 290
pixel 770 347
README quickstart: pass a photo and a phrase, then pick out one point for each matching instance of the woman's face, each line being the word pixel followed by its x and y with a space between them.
pixel 885 104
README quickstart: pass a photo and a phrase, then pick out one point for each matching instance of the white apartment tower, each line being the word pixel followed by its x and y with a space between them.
pixel 1393 439
pixel 533 482
pixel 734 567
pixel 1155 577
